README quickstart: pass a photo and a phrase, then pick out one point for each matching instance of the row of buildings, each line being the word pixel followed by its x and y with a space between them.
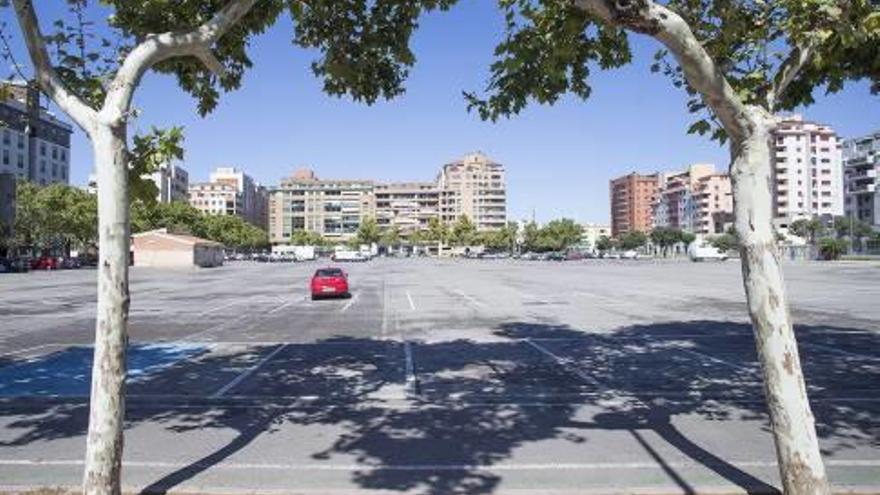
pixel 474 186
pixel 814 174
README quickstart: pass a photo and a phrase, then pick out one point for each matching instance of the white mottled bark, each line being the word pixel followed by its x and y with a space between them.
pixel 107 130
pixel 107 407
pixel 793 426
pixel 749 128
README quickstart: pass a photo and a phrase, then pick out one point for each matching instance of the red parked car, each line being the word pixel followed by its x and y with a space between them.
pixel 44 263
pixel 329 282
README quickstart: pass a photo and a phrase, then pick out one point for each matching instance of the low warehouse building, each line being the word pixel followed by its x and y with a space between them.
pixel 159 248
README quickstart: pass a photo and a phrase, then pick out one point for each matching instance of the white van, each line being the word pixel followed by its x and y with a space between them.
pixel 702 251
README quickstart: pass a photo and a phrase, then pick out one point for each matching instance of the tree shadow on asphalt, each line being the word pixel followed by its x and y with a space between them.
pixel 480 401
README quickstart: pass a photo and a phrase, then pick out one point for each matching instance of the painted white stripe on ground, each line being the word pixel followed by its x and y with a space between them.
pixel 469 299
pixel 412 305
pixel 565 363
pixel 718 360
pixel 841 351
pixel 350 303
pixel 556 466
pixel 250 371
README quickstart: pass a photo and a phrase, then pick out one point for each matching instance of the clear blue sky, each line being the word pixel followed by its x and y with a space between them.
pixel 559 159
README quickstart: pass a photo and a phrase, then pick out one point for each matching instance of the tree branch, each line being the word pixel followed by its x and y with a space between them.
pixel 702 73
pixel 44 72
pixel 156 48
pixel 788 71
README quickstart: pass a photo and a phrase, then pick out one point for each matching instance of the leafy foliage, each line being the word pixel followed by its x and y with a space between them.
pixel 180 217
pixel 148 153
pixel 831 248
pixel 547 52
pixel 807 228
pixel 557 235
pixel 464 232
pixel 550 46
pixel 368 231
pixel 633 240
pixel 55 216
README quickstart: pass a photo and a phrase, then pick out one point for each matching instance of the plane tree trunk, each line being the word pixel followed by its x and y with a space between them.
pixel 792 423
pixel 107 407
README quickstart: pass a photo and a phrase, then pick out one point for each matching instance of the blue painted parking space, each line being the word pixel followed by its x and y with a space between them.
pixel 67 372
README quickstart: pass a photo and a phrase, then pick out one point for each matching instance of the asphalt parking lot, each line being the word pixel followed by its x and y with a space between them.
pixel 440 376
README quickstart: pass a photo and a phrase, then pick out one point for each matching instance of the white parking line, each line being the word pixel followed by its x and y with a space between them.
pixel 554 466
pixel 718 360
pixel 470 299
pixel 350 303
pixel 565 363
pixel 250 371
pixel 412 305
pixel 841 351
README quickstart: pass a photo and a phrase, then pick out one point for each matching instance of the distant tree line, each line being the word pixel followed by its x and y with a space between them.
pixel 61 218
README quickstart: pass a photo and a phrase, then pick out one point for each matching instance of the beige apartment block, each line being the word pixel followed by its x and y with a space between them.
pixel 592 232
pixel 253 200
pixel 407 206
pixel 333 208
pixel 215 199
pixel 474 186
pixel 807 172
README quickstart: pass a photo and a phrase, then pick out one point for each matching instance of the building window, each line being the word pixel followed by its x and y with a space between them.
pixel 20 141
pixel 42 149
pixel 5 157
pixel 5 136
pixel 54 153
pixel 20 161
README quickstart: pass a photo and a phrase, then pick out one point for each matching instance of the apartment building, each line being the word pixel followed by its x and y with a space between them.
pixel 714 205
pixel 861 162
pixel 407 206
pixel 34 144
pixel 332 208
pixel 592 232
pixel 253 200
pixel 474 186
pixel 632 202
pixel 215 199
pixel 696 200
pixel 807 171
pixel 172 181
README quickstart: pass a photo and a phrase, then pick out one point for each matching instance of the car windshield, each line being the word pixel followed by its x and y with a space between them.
pixel 329 272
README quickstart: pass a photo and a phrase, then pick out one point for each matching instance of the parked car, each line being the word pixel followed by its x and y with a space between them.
pixel 703 251
pixel 349 255
pixel 329 282
pixel 574 255
pixel 70 263
pixel 630 255
pixel 44 263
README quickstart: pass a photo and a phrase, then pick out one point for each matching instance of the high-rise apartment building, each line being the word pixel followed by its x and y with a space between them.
pixel 34 144
pixel 474 186
pixel 861 162
pixel 253 200
pixel 172 182
pixel 332 208
pixel 632 203
pixel 407 206
pixel 807 171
